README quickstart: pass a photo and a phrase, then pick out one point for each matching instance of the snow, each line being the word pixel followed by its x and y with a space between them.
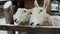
pixel 58 17
pixel 3 32
pixel 7 4
pixel 2 21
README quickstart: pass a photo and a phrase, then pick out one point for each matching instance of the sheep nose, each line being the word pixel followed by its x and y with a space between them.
pixel 37 24
pixel 31 23
pixel 30 12
pixel 15 20
pixel 21 22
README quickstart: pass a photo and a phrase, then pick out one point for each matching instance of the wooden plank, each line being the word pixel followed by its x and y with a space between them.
pixel 8 11
pixel 30 4
pixel 43 29
pixel 29 29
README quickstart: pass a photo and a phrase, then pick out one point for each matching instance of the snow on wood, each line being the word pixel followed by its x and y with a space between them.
pixel 2 21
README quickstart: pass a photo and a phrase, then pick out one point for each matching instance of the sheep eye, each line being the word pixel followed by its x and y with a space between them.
pixel 24 11
pixel 40 10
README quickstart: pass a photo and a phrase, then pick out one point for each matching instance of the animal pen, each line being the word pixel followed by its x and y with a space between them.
pixel 11 28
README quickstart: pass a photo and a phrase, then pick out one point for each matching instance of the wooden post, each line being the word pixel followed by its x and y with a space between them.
pixel 49 8
pixel 17 3
pixel 30 4
pixel 9 14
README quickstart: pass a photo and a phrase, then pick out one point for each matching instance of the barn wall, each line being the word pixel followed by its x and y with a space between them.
pixel 30 4
pixel 27 4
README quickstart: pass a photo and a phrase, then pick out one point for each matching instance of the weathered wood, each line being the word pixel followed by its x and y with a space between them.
pixel 17 2
pixel 30 4
pixel 8 11
pixel 44 29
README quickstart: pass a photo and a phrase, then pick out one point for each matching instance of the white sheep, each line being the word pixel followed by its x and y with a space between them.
pixel 21 16
pixel 39 15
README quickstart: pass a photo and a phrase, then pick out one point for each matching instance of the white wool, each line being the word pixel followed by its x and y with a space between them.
pixel 35 15
pixel 39 17
pixel 22 16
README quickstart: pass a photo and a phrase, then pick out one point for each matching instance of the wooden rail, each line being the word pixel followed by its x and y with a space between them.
pixel 44 29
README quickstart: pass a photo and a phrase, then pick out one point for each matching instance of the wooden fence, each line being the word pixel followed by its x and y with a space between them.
pixel 43 29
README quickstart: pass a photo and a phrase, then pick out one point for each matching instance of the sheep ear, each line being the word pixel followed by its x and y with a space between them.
pixel 36 3
pixel 46 3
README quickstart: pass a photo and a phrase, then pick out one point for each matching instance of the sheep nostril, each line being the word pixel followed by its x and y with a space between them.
pixel 31 13
pixel 32 23
pixel 21 22
pixel 37 24
pixel 40 10
pixel 15 20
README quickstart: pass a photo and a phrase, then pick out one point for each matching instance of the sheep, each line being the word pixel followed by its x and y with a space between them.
pixel 22 16
pixel 39 15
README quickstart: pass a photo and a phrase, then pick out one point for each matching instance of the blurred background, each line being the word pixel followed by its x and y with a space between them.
pixel 53 8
